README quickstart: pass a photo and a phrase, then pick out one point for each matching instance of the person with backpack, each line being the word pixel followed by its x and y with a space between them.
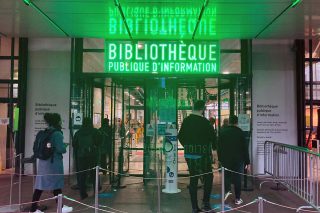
pixel 86 143
pixel 48 149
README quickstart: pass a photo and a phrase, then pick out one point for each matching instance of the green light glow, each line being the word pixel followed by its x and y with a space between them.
pixel 295 2
pixel 27 2
pixel 161 21
pixel 162 57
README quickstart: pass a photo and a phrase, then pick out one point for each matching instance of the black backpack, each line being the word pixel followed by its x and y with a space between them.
pixel 42 147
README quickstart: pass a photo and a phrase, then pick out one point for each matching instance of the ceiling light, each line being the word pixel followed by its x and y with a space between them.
pixel 27 2
pixel 295 3
pixel 140 45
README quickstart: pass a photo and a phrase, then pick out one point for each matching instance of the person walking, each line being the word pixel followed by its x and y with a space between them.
pixel 86 143
pixel 50 171
pixel 197 136
pixel 233 154
pixel 105 151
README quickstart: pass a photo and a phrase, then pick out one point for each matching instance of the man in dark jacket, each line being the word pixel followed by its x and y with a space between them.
pixel 86 142
pixel 233 154
pixel 197 136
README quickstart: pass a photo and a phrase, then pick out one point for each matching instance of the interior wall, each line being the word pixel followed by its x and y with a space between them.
pixel 5 47
pixel 48 84
pixel 273 96
pixel 3 136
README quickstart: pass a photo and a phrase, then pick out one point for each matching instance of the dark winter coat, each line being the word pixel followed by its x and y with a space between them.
pixel 86 143
pixel 106 136
pixel 232 147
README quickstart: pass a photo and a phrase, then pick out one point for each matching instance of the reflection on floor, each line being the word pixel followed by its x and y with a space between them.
pixel 140 197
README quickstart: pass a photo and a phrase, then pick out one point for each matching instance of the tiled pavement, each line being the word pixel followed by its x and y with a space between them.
pixel 139 198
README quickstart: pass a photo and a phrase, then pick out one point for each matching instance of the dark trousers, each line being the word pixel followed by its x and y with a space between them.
pixel 82 175
pixel 103 161
pixel 36 197
pixel 233 177
pixel 201 167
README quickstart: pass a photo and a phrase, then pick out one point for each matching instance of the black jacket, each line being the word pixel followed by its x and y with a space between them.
pixel 232 146
pixel 86 142
pixel 197 135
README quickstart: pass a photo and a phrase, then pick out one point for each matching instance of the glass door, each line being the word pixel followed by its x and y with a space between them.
pixel 133 124
pixel 118 133
pixel 161 112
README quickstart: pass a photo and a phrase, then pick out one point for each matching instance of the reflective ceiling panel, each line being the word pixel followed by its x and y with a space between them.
pixel 17 19
pixel 161 19
pixel 238 19
pixel 154 19
pixel 302 21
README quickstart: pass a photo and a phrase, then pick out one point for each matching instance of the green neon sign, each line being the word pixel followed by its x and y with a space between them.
pixel 162 21
pixel 162 57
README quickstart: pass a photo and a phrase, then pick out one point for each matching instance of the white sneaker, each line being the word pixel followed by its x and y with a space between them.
pixel 227 195
pixel 66 209
pixel 238 201
pixel 38 211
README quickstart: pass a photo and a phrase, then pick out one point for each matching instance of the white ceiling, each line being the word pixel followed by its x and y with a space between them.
pixel 234 19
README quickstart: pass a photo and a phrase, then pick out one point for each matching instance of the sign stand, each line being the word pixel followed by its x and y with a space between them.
pixel 171 153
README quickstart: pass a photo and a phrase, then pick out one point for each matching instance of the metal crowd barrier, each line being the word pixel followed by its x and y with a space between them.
pixel 294 167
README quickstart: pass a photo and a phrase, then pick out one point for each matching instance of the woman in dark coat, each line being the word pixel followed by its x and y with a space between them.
pixel 47 178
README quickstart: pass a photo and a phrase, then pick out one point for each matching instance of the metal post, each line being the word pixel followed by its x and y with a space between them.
pixel 59 206
pixel 222 189
pixel 96 201
pixel 20 175
pixel 312 195
pixel 318 151
pixel 159 187
pixel 260 205
pixel 11 181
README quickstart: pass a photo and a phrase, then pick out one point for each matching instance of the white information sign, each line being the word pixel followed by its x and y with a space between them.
pixel 244 122
pixel 150 130
pixel 274 113
pixel 48 89
pixel 4 121
pixel 77 119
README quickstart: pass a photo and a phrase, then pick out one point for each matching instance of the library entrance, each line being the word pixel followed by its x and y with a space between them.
pixel 146 88
pixel 142 111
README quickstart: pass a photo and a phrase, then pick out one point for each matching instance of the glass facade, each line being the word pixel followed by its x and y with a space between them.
pixel 9 52
pixel 312 90
pixel 138 103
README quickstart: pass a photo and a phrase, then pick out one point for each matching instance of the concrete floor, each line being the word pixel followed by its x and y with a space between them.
pixel 139 198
